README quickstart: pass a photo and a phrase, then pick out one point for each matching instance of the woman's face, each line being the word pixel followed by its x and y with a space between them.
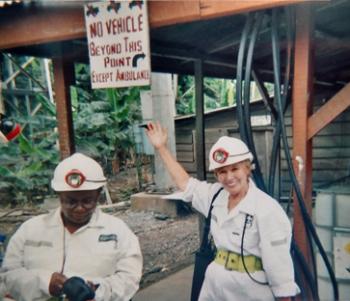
pixel 235 177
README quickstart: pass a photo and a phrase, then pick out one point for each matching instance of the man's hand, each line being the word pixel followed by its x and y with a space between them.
pixel 56 284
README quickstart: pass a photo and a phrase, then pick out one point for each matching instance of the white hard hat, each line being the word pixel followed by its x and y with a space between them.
pixel 78 172
pixel 227 151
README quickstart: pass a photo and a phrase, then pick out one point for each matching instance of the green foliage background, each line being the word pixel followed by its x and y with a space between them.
pixel 218 93
pixel 103 125
pixel 103 121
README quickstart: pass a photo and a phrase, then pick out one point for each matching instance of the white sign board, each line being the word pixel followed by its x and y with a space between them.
pixel 342 257
pixel 118 40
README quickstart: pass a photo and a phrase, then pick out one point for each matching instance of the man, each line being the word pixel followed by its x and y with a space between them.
pixel 77 249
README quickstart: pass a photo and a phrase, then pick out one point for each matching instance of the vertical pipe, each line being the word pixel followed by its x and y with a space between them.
pixel 200 133
pixel 200 137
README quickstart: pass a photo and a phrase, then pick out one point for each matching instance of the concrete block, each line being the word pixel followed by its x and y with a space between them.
pixel 143 201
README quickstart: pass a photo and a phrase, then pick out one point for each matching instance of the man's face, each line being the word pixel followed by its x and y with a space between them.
pixel 77 207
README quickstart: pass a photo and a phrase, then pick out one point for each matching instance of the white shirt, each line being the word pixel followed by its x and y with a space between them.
pixel 268 236
pixel 105 251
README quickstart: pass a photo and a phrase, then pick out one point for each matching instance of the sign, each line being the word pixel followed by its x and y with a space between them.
pixel 118 40
pixel 342 257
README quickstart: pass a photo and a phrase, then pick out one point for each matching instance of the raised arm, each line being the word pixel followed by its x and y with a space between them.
pixel 158 137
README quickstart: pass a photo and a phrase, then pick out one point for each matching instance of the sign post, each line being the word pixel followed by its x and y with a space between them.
pixel 118 39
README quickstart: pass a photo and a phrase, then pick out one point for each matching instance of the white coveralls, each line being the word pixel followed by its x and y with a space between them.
pixel 267 237
pixel 105 251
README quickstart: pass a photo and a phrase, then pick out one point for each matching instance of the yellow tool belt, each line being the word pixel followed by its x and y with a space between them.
pixel 233 261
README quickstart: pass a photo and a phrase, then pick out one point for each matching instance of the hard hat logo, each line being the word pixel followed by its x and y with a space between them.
pixel 220 155
pixel 75 178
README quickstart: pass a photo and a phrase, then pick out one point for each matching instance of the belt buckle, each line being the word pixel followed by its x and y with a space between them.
pixel 227 262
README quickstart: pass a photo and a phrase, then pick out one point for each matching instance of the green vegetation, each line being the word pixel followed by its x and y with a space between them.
pixel 103 125
pixel 103 122
pixel 218 93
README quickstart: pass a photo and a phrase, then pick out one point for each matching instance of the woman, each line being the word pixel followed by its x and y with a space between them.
pixel 250 229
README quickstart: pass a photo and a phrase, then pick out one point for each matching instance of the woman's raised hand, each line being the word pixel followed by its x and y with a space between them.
pixel 157 135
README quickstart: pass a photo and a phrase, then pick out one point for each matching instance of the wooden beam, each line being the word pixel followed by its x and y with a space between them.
pixel 215 8
pixel 302 106
pixel 329 111
pixel 63 78
pixel 38 25
pixel 45 24
pixel 163 13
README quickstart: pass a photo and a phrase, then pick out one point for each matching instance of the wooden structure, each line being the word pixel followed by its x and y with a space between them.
pixel 330 147
pixel 202 37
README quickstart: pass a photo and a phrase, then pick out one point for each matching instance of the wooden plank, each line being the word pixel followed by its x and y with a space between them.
pixel 162 13
pixel 344 116
pixel 215 8
pixel 336 152
pixel 331 129
pixel 184 137
pixel 184 147
pixel 329 111
pixel 44 24
pixel 285 187
pixel 189 167
pixel 301 106
pixel 322 175
pixel 37 25
pixel 329 141
pixel 185 156
pixel 324 164
pixel 64 76
pixel 212 135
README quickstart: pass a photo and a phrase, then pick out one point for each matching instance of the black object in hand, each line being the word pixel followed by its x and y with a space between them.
pixel 76 289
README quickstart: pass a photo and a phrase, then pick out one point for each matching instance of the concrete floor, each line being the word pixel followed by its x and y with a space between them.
pixel 176 287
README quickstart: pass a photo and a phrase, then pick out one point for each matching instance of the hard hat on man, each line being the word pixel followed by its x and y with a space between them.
pixel 78 172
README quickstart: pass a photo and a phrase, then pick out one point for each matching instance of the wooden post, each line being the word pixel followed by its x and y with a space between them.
pixel 302 108
pixel 63 78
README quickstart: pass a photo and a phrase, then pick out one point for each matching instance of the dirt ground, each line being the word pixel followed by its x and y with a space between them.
pixel 167 244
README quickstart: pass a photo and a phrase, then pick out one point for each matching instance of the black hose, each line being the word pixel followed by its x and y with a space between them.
pixel 246 103
pixel 240 59
pixel 277 133
pixel 276 61
pixel 243 127
pixel 310 229
pixel 302 264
